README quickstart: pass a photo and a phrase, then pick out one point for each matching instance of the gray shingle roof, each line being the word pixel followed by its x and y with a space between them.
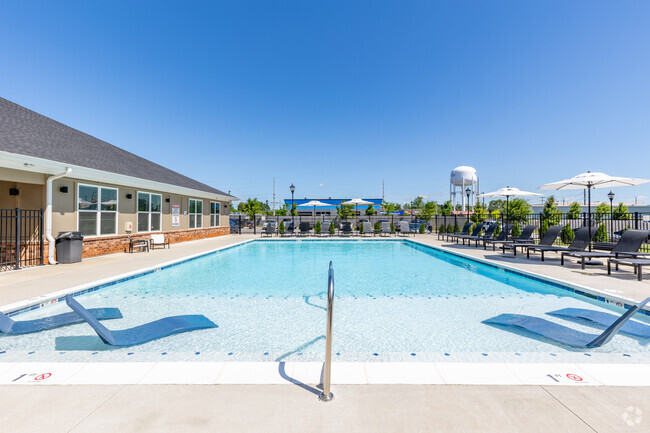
pixel 26 132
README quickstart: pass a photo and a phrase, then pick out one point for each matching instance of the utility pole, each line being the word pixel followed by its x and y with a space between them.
pixel 273 195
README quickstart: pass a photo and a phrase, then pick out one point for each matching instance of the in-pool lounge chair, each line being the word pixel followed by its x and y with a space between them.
pixel 464 232
pixel 367 229
pixel 143 333
pixel 404 228
pixel 563 334
pixel 346 228
pixel 502 237
pixel 526 237
pixel 579 243
pixel 601 319
pixel 385 229
pixel 270 230
pixel 547 240
pixel 637 264
pixel 627 246
pixel 304 228
pixel 9 326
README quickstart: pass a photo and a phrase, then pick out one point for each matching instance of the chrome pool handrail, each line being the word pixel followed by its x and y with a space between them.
pixel 326 395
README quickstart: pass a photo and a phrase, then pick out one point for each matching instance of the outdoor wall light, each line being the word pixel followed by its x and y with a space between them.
pixel 129 196
pixel 13 191
pixel 64 189
pixel 167 200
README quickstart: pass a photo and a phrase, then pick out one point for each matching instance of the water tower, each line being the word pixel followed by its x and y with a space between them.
pixel 463 177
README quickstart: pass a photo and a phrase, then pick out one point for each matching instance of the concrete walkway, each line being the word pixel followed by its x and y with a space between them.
pixel 291 407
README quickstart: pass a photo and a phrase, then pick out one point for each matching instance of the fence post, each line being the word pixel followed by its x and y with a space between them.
pixel 239 224
pixel 40 233
pixel 17 239
pixel 636 220
pixel 584 219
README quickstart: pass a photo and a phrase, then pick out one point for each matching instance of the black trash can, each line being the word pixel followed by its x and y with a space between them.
pixel 69 246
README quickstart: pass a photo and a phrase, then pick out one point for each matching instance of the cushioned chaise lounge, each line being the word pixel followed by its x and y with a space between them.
pixel 385 229
pixel 404 228
pixel 580 242
pixel 367 229
pixel 143 333
pixel 563 334
pixel 627 246
pixel 9 326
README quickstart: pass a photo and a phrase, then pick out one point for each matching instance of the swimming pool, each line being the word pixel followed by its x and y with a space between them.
pixel 394 300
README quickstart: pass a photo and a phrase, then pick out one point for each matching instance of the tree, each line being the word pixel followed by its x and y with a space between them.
pixel 550 215
pixel 621 212
pixel 251 207
pixel 417 203
pixel 479 215
pixel 516 231
pixel 317 227
pixel 574 211
pixel 422 228
pixel 459 206
pixel 344 211
pixel 518 211
pixel 332 228
pixel 294 210
pixel 601 234
pixel 447 208
pixel 282 211
pixel 496 205
pixel 282 228
pixel 601 211
pixel 442 228
pixel 567 234
pixel 454 229
pixel 370 210
pixel 429 209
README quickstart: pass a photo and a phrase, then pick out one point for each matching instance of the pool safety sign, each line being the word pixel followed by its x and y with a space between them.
pixel 176 215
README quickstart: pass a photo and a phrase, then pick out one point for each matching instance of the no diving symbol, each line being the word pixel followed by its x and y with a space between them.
pixel 574 377
pixel 43 376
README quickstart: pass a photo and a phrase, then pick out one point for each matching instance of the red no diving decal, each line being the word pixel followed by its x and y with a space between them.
pixel 43 376
pixel 574 377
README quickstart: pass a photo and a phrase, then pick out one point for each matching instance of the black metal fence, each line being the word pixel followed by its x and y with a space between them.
pixel 21 238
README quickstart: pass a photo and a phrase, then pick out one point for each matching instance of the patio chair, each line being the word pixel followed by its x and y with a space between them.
pixel 141 244
pixel 526 236
pixel 503 236
pixel 637 264
pixel 143 333
pixel 269 230
pixel 289 229
pixel 404 228
pixel 10 326
pixel 628 246
pixel 367 229
pixel 158 240
pixel 466 228
pixel 600 318
pixel 304 228
pixel 385 229
pixel 476 232
pixel 562 334
pixel 579 243
pixel 547 240
pixel 489 233
pixel 346 228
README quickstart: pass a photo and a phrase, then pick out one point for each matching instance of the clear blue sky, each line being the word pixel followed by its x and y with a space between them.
pixel 335 96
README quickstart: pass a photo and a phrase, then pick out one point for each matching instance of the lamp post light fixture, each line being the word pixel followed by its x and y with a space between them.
pixel 293 189
pixel 611 212
pixel 468 191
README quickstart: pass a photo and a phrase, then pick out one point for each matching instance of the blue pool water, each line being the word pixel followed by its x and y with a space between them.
pixel 268 298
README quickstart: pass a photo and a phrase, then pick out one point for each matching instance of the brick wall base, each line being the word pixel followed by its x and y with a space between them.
pixel 93 247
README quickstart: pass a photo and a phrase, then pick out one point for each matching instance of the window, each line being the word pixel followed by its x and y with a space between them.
pixel 97 210
pixel 149 212
pixel 196 213
pixel 214 214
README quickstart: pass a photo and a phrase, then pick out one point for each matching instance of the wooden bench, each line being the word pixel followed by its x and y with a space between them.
pixel 141 244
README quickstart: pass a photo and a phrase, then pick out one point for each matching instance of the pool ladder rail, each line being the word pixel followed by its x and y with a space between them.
pixel 327 395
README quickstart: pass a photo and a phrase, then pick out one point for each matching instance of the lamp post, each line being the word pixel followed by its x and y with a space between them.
pixel 293 189
pixel 468 191
pixel 611 213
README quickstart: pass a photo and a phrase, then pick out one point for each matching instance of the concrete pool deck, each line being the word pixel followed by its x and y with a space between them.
pixel 441 405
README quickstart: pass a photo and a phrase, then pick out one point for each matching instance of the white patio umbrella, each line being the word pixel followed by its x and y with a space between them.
pixel 314 203
pixel 591 180
pixel 356 202
pixel 508 192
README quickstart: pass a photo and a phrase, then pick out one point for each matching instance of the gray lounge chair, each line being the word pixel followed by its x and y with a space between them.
pixel 627 246
pixel 637 264
pixel 579 243
pixel 475 233
pixel 563 334
pixel 385 229
pixel 547 240
pixel 464 232
pixel 503 236
pixel 290 229
pixel 367 229
pixel 526 236
pixel 404 228
pixel 325 228
pixel 270 230
pixel 304 228
pixel 346 228
pixel 489 233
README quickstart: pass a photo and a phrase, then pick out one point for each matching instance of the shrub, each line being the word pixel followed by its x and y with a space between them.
pixel 423 228
pixel 332 229
pixel 574 211
pixel 317 227
pixel 543 228
pixel 497 231
pixel 282 228
pixel 377 226
pixel 601 234
pixel 392 227
pixel 456 229
pixel 567 234
pixel 442 228
pixel 361 228
pixel 516 231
